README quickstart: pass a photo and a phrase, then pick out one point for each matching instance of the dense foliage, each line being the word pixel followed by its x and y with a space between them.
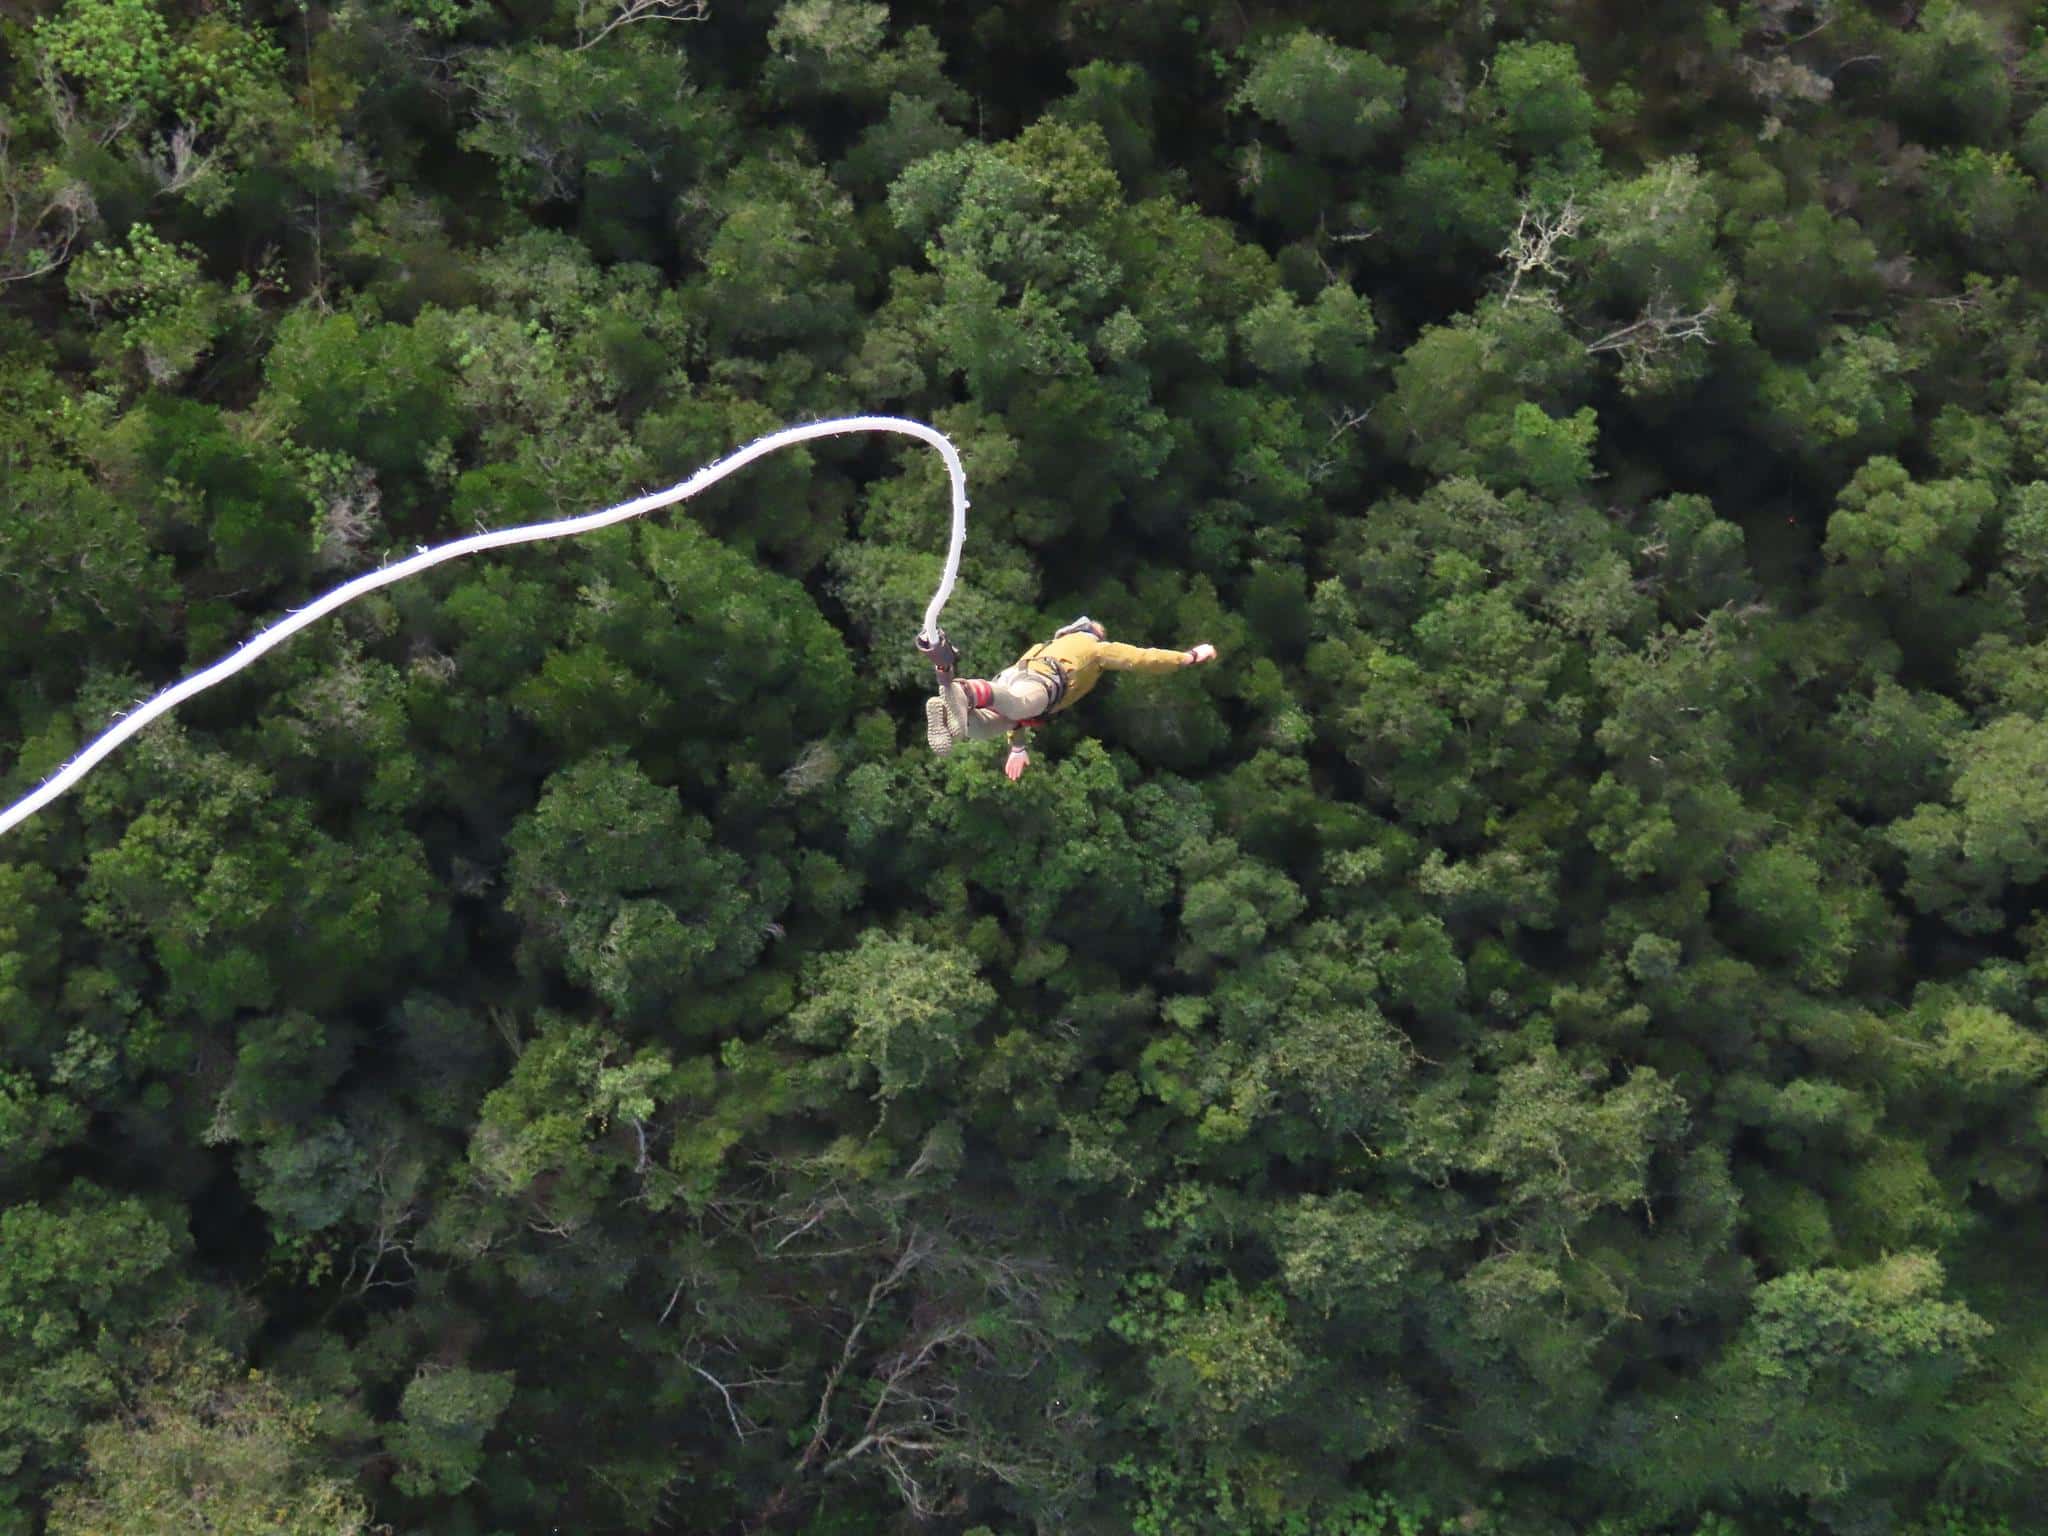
pixel 1546 1038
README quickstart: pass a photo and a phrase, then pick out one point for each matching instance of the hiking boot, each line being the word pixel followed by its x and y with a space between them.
pixel 938 727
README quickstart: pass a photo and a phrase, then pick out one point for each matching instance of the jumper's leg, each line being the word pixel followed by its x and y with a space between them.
pixel 971 710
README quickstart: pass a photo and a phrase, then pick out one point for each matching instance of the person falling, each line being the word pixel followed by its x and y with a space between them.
pixel 1042 682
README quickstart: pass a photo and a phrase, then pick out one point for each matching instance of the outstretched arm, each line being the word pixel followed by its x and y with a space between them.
pixel 1118 657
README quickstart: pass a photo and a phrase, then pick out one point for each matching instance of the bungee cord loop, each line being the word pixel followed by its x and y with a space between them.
pixel 276 634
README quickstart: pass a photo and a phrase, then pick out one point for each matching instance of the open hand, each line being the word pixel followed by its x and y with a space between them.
pixel 1201 653
pixel 1015 764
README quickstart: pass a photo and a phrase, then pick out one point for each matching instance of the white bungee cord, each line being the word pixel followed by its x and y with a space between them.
pixel 502 538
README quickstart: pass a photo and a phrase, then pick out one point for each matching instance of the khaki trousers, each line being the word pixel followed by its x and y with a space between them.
pixel 1015 695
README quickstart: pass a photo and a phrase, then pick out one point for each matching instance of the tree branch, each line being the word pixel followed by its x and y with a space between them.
pixel 1533 246
pixel 628 12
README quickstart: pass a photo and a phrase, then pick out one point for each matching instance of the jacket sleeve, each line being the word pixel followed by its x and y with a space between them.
pixel 1138 658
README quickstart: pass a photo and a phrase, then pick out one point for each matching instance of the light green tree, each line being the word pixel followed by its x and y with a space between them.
pixel 1332 100
pixel 897 1013
pixel 444 1418
pixel 196 1450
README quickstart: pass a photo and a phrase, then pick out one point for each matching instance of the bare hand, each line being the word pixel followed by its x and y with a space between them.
pixel 1201 653
pixel 1015 764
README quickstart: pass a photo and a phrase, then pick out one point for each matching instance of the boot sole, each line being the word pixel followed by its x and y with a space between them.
pixel 938 730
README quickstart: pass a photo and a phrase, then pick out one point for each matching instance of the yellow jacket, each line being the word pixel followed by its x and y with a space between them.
pixel 1079 660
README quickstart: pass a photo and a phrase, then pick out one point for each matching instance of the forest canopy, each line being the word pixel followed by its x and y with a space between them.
pixel 1545 1038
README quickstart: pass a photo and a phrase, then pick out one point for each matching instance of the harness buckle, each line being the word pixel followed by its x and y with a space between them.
pixel 938 650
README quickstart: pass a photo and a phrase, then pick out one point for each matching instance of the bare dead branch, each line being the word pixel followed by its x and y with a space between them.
pixel 731 1410
pixel 176 163
pixel 41 217
pixel 626 12
pixel 1661 327
pixel 673 1297
pixel 916 1249
pixel 1532 248
pixel 824 1209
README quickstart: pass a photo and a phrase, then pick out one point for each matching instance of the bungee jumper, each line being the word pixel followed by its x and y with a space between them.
pixel 1044 681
